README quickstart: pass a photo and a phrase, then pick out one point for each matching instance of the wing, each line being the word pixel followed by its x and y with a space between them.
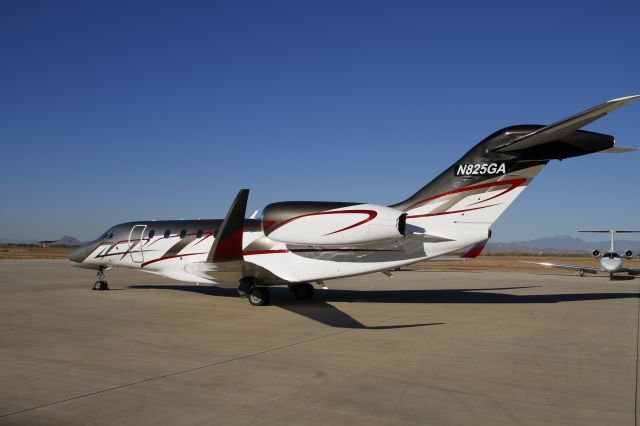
pixel 228 241
pixel 565 127
pixel 589 269
pixel 225 263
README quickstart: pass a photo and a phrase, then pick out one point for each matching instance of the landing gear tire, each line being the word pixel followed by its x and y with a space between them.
pixel 259 296
pixel 101 284
pixel 582 272
pixel 304 291
pixel 610 277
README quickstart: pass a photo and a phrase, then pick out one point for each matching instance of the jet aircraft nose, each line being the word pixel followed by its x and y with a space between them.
pixel 79 254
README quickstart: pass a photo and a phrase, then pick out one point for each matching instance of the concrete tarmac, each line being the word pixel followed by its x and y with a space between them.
pixel 423 348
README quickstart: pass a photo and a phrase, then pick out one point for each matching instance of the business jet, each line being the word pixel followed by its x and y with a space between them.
pixel 610 261
pixel 297 243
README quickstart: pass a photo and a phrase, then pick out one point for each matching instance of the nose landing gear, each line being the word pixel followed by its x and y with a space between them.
pixel 101 284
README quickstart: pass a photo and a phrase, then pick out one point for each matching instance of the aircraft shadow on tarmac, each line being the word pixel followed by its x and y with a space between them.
pixel 322 311
pixel 591 276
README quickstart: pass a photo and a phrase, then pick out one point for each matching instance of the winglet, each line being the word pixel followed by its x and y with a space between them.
pixel 228 241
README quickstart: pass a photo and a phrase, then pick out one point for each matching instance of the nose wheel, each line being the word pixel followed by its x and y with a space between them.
pixel 101 284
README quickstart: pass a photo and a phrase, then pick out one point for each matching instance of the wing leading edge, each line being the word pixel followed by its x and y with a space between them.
pixel 589 269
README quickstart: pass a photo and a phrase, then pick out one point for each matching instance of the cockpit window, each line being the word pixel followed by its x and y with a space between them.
pixel 167 233
pixel 183 233
pixel 108 234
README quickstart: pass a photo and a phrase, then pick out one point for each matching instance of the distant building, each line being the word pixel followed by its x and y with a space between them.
pixel 64 241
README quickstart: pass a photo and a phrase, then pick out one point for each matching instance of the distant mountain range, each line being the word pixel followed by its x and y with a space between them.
pixel 67 241
pixel 64 241
pixel 559 244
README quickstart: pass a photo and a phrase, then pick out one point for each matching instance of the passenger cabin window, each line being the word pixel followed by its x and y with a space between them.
pixel 152 233
pixel 167 233
pixel 183 233
pixel 199 234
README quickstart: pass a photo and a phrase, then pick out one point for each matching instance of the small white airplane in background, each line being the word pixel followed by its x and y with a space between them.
pixel 297 243
pixel 610 261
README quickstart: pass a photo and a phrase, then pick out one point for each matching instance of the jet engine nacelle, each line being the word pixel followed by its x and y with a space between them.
pixel 628 254
pixel 325 223
pixel 596 254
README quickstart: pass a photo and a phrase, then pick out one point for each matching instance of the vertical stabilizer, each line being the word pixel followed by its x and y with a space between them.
pixel 480 186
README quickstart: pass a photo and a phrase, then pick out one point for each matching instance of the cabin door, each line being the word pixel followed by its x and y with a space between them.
pixel 136 241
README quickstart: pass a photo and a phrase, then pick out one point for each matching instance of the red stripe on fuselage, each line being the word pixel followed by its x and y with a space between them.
pixel 513 182
pixel 280 251
pixel 371 215
pixel 169 257
pixel 450 212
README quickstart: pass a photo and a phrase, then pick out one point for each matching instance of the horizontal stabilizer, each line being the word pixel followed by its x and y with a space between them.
pixel 617 150
pixel 563 128
pixel 611 230
pixel 228 240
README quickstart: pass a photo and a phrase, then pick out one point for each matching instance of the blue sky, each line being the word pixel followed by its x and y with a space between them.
pixel 117 111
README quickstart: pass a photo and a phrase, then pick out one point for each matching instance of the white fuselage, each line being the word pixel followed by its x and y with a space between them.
pixel 182 255
pixel 611 262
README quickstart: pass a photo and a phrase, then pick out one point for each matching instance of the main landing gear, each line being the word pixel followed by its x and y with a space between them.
pixel 259 295
pixel 101 284
pixel 303 291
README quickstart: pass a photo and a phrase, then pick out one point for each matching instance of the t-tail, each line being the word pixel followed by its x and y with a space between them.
pixel 612 233
pixel 472 193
